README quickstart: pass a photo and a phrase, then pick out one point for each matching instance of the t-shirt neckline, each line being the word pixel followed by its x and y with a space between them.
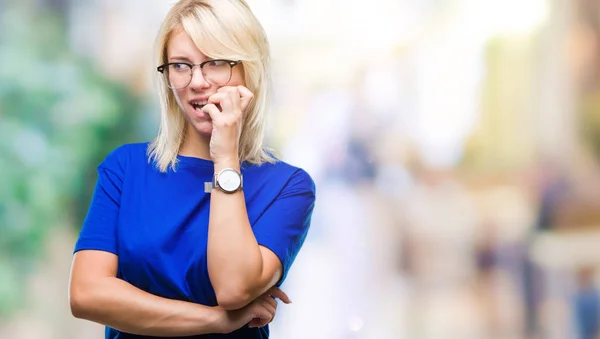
pixel 193 161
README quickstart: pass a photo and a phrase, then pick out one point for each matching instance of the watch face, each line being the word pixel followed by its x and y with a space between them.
pixel 229 180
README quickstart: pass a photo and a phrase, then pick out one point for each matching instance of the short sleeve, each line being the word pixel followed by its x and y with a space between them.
pixel 283 227
pixel 99 230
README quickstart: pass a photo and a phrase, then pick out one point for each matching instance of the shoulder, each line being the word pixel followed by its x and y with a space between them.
pixel 293 179
pixel 299 180
pixel 120 158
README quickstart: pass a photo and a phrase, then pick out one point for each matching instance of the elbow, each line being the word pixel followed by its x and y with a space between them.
pixel 77 306
pixel 233 298
pixel 79 303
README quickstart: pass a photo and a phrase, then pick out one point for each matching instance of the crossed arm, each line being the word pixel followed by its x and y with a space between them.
pixel 240 270
pixel 96 294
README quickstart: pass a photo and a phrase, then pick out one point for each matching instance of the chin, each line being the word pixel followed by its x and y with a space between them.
pixel 203 127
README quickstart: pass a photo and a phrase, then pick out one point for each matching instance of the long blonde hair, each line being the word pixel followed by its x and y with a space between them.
pixel 220 29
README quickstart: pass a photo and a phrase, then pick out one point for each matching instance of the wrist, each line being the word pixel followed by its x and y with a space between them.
pixel 220 320
pixel 231 162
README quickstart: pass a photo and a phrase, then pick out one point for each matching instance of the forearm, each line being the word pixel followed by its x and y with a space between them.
pixel 235 263
pixel 113 302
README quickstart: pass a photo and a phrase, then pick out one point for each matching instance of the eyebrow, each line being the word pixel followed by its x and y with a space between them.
pixel 180 58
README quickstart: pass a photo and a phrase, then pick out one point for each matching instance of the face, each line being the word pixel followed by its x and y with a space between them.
pixel 192 98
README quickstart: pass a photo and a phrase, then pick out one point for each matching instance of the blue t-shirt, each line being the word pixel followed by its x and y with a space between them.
pixel 157 223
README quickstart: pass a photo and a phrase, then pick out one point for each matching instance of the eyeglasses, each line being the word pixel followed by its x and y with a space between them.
pixel 178 75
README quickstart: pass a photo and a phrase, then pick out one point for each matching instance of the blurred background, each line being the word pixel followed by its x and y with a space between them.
pixel 455 145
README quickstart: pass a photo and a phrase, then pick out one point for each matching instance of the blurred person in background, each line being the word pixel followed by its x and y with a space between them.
pixel 193 233
pixel 587 305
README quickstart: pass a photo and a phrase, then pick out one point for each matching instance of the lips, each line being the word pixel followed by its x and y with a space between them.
pixel 198 104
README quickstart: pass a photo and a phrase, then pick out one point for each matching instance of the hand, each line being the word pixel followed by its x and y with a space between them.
pixel 270 295
pixel 258 313
pixel 227 122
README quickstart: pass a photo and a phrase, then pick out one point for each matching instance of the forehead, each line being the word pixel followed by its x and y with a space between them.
pixel 182 46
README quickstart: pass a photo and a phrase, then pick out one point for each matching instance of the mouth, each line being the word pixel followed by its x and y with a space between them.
pixel 197 105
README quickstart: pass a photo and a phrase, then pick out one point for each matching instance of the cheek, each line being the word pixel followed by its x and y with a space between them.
pixel 180 93
pixel 237 77
pixel 180 97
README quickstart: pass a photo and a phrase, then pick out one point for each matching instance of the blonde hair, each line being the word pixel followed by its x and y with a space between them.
pixel 220 29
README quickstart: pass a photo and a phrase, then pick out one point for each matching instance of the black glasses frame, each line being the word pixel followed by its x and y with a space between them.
pixel 231 64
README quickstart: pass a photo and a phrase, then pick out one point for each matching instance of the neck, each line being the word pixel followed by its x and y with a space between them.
pixel 195 144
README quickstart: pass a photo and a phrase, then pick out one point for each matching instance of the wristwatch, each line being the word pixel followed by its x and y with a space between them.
pixel 227 180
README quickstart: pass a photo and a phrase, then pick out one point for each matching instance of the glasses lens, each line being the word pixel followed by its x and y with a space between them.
pixel 217 72
pixel 178 76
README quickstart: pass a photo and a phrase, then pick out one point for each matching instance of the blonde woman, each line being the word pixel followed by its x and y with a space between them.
pixel 191 234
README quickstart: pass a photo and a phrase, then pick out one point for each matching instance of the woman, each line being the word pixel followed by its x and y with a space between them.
pixel 191 234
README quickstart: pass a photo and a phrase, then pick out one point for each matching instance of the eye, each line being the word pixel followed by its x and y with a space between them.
pixel 180 67
pixel 217 63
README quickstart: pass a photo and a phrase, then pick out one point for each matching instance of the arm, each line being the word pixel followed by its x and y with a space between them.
pixel 96 294
pixel 242 260
pixel 245 261
pixel 240 270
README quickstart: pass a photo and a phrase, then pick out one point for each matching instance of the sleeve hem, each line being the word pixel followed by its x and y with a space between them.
pixel 94 248
pixel 284 268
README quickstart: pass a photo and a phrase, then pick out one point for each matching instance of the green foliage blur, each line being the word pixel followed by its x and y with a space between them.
pixel 59 117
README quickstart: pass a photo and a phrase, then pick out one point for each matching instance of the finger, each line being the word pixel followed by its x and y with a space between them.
pixel 217 98
pixel 269 307
pixel 226 89
pixel 246 97
pixel 223 99
pixel 257 322
pixel 268 314
pixel 263 314
pixel 270 300
pixel 234 96
pixel 278 293
pixel 273 303
pixel 212 111
pixel 260 312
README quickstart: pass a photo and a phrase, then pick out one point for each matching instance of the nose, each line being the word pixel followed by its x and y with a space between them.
pixel 198 81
